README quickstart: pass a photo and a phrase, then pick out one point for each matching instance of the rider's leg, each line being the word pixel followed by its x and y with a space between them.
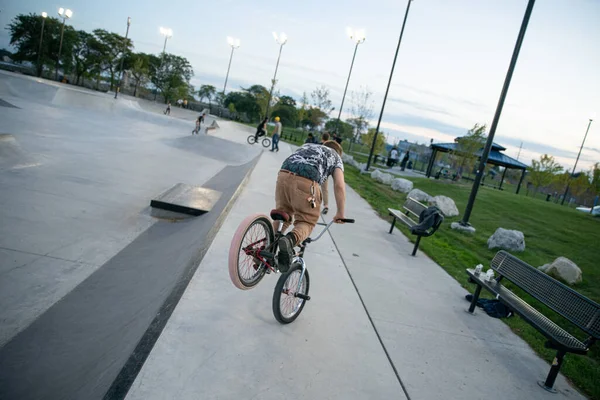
pixel 306 217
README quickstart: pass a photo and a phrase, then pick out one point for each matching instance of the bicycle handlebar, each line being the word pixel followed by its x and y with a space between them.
pixel 327 226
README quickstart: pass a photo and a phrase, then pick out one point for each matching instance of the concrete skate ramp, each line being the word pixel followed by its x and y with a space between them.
pixel 12 156
pixel 43 91
pixel 215 148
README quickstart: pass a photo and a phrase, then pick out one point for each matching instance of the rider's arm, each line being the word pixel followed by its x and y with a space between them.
pixel 339 189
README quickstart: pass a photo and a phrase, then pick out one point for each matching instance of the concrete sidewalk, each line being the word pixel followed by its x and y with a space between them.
pixel 381 324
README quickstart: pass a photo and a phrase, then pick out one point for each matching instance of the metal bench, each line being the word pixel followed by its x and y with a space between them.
pixel 410 217
pixel 578 309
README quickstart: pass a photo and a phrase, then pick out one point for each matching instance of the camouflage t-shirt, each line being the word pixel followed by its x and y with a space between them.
pixel 313 161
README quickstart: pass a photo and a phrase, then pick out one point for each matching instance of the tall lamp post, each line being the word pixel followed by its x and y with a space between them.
pixel 359 37
pixel 490 138
pixel 123 58
pixel 234 43
pixel 64 14
pixel 39 67
pixel 167 33
pixel 576 161
pixel 388 87
pixel 281 39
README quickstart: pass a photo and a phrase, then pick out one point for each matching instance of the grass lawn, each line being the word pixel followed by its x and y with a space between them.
pixel 550 231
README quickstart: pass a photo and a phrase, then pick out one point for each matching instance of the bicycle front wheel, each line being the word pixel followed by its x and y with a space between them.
pixel 251 139
pixel 286 306
pixel 266 142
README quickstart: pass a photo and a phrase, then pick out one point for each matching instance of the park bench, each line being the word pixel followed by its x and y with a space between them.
pixel 578 309
pixel 411 217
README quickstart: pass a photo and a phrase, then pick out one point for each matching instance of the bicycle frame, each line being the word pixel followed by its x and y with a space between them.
pixel 267 255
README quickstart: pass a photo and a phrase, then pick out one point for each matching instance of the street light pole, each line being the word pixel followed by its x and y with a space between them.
pixel 490 138
pixel 167 32
pixel 359 36
pixel 282 40
pixel 64 14
pixel 234 43
pixel 123 58
pixel 576 161
pixel 39 71
pixel 388 87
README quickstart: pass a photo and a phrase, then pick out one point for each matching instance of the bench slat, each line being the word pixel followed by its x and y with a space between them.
pixel 414 207
pixel 577 308
pixel 542 323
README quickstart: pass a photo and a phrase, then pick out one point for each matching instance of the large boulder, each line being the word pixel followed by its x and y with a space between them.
pixel 402 185
pixel 384 178
pixel 445 204
pixel 564 269
pixel 507 239
pixel 419 195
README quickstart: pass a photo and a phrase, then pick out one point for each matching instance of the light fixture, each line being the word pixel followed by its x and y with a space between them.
pixel 44 14
pixel 281 38
pixel 233 42
pixel 357 35
pixel 168 32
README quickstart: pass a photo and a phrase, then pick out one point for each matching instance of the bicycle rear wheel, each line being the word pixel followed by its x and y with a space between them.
pixel 286 306
pixel 266 142
pixel 253 234
pixel 251 139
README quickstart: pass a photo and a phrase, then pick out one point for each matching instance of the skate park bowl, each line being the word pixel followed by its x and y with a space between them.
pixel 88 277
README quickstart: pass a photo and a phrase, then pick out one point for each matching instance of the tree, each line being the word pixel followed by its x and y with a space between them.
pixel 207 92
pixel 595 179
pixel 303 111
pixel 380 143
pixel 466 148
pixel 25 31
pixel 112 47
pixel 320 97
pixel 361 110
pixel 244 102
pixel 261 97
pixel 287 101
pixel 172 73
pixel 82 56
pixel 140 70
pixel 542 172
pixel 285 108
pixel 344 129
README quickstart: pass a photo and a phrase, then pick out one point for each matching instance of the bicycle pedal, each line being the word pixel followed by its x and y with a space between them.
pixel 302 296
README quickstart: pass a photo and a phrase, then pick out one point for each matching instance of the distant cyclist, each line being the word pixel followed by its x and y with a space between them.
pixel 261 130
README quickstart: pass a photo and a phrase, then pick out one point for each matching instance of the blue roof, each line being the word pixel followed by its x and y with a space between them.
pixel 495 157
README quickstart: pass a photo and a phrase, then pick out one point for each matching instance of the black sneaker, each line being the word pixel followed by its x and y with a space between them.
pixel 286 253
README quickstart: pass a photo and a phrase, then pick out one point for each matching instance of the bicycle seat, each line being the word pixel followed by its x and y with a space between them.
pixel 278 215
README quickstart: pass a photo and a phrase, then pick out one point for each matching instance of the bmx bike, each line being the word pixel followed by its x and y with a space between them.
pixel 252 255
pixel 266 142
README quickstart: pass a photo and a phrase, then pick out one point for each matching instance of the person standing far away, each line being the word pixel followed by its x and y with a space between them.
pixel 276 134
pixel 325 185
pixel 405 160
pixel 394 156
pixel 310 138
pixel 198 125
pixel 185 103
pixel 298 193
pixel 261 129
pixel 168 110
pixel 337 138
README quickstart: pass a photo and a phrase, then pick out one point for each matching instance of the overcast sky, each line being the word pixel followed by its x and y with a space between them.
pixel 449 73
